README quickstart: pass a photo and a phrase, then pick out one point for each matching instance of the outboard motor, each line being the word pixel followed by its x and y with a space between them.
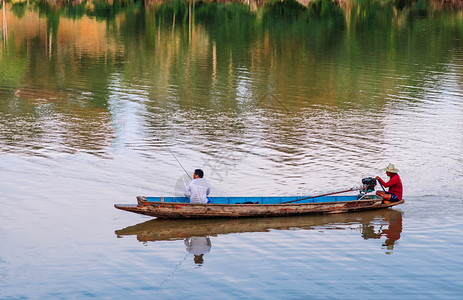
pixel 369 184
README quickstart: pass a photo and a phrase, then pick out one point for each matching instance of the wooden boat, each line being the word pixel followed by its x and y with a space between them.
pixel 234 207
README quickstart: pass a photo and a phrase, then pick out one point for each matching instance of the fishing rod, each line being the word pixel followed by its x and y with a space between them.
pixel 176 159
pixel 209 200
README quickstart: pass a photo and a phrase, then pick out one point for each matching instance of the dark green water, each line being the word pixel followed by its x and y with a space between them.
pixel 269 98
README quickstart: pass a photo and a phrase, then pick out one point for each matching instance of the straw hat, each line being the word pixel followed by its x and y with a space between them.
pixel 391 169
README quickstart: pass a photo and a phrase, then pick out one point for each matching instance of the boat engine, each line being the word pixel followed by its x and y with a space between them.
pixel 369 184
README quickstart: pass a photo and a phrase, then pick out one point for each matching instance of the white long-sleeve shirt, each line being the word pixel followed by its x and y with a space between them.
pixel 197 190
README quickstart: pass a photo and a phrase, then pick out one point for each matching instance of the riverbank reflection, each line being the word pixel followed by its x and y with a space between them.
pixel 385 224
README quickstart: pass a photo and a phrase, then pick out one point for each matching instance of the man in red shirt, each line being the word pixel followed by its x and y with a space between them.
pixel 394 184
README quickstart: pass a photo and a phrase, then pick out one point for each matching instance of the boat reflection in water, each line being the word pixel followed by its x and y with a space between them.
pixel 375 224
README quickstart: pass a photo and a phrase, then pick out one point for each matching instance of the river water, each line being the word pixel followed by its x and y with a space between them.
pixel 99 100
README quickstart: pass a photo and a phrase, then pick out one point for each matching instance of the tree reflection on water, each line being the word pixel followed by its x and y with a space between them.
pixel 62 62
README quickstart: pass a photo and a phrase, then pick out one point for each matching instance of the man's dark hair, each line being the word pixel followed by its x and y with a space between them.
pixel 199 172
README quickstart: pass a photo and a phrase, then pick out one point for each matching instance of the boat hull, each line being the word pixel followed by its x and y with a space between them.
pixel 191 210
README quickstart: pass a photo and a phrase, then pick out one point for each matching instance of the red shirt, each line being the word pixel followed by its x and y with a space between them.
pixel 394 184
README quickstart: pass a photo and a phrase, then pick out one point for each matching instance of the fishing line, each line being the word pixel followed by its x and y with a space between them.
pixel 176 159
pixel 171 275
pixel 209 200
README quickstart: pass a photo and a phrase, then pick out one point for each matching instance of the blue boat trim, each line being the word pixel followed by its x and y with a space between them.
pixel 259 200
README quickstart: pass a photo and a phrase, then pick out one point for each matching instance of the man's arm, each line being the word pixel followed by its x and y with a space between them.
pixel 380 180
pixel 392 181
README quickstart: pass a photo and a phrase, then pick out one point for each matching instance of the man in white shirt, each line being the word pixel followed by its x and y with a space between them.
pixel 198 189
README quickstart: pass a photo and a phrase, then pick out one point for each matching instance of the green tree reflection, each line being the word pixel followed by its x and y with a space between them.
pixel 200 57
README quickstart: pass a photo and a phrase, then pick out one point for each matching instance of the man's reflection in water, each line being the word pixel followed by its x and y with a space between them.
pixel 392 232
pixel 198 246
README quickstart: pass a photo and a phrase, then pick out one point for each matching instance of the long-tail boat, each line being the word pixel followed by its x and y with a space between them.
pixel 234 207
